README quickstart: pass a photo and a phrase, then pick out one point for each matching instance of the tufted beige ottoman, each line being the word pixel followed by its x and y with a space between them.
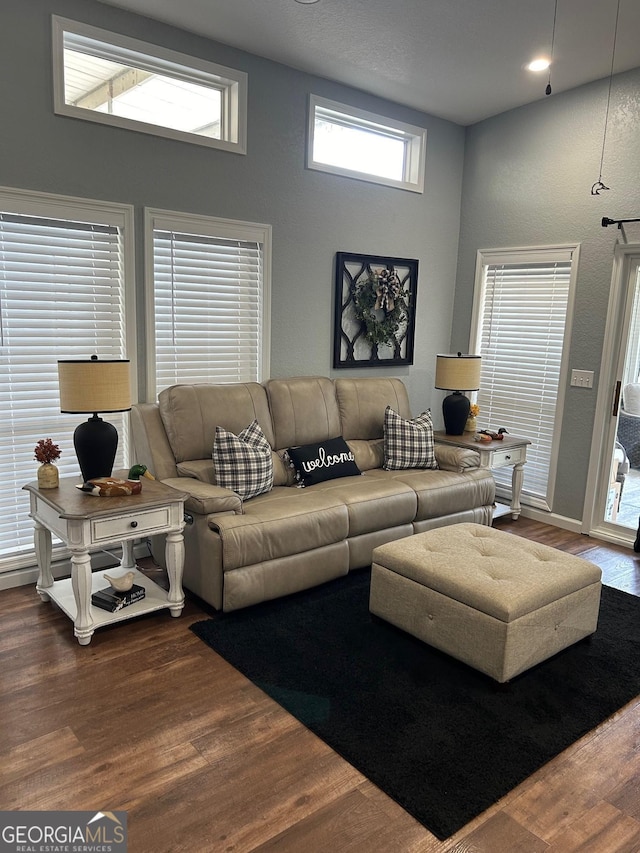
pixel 491 599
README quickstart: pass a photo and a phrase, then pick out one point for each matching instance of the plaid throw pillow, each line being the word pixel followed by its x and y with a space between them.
pixel 408 443
pixel 243 462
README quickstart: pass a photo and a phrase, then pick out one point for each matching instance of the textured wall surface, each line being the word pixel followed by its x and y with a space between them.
pixel 527 182
pixel 314 215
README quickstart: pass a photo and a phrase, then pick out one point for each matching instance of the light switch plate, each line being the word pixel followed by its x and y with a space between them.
pixel 582 378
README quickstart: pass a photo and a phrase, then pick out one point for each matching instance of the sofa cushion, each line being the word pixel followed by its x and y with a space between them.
pixel 408 443
pixel 326 460
pixel 368 454
pixel 191 413
pixel 243 462
pixel 362 402
pixel 373 503
pixel 304 409
pixel 440 493
pixel 282 522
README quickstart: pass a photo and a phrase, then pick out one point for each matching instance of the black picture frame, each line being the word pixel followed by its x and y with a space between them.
pixel 360 281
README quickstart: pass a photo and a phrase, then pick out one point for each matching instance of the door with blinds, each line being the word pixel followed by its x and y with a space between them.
pixel 522 305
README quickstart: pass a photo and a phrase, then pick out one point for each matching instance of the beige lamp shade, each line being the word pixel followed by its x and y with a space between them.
pixel 95 386
pixel 457 372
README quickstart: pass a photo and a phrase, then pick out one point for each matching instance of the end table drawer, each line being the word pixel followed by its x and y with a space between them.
pixel 504 457
pixel 137 524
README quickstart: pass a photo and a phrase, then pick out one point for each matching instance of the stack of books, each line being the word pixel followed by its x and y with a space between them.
pixel 111 599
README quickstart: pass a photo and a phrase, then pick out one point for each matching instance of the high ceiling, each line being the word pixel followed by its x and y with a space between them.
pixel 462 60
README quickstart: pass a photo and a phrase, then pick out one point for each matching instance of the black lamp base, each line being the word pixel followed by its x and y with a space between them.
pixel 455 411
pixel 96 442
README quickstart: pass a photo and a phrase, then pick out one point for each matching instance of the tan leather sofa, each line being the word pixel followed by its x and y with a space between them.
pixel 239 552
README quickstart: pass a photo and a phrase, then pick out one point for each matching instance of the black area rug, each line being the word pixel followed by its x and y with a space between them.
pixel 440 738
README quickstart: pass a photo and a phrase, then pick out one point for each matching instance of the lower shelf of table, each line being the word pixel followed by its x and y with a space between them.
pixel 155 599
pixel 500 509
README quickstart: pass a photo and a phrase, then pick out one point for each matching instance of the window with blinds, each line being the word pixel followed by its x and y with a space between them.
pixel 520 317
pixel 209 307
pixel 61 296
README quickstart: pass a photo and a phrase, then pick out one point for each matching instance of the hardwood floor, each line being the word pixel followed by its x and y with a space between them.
pixel 149 720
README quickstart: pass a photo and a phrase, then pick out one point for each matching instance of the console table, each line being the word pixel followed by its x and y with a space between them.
pixel 86 523
pixel 496 454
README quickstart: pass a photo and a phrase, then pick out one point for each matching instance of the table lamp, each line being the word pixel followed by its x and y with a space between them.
pixel 92 386
pixel 457 373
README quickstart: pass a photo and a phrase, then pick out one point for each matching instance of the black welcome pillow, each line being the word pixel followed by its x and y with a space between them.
pixel 327 460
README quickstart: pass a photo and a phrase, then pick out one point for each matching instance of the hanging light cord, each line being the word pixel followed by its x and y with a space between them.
pixel 606 115
pixel 553 41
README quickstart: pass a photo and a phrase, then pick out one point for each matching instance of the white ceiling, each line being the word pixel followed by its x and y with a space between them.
pixel 462 60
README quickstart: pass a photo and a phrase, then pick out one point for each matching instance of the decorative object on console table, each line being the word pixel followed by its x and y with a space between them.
pixel 113 600
pixel 472 419
pixel 457 373
pixel 112 487
pixel 375 303
pixel 92 386
pixel 47 452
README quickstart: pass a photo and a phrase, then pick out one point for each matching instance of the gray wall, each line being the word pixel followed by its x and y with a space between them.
pixel 313 215
pixel 527 181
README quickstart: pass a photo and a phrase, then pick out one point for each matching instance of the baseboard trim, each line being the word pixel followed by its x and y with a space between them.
pixel 62 568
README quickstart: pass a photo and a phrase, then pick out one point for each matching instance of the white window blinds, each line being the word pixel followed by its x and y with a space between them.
pixel 209 297
pixel 61 296
pixel 521 330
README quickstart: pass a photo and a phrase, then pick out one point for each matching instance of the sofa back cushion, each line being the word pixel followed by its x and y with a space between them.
pixel 191 413
pixel 363 401
pixel 304 410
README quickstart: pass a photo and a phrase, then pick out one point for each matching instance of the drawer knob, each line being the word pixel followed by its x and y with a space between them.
pixel 134 523
pixel 507 457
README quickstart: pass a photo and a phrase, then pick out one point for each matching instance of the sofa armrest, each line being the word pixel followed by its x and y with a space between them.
pixel 457 459
pixel 205 498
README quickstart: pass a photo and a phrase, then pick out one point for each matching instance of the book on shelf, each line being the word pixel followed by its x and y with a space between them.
pixel 112 599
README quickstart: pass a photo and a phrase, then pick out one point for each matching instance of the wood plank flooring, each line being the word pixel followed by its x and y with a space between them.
pixel 149 720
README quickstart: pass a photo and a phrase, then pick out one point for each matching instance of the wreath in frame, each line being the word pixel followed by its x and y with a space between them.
pixel 381 304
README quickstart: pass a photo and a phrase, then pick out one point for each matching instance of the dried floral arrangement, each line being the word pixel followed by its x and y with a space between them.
pixel 46 451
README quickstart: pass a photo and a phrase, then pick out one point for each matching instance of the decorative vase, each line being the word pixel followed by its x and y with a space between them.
pixel 48 476
pixel 471 424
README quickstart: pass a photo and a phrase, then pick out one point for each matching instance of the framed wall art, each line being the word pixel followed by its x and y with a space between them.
pixel 375 310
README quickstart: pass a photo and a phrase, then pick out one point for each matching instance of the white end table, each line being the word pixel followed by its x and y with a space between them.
pixel 85 523
pixel 511 450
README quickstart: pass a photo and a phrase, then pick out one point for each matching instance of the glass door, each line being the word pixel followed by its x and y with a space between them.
pixel 620 495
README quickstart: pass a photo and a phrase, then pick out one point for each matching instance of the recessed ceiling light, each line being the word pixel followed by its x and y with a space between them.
pixel 539 65
pixel 307 2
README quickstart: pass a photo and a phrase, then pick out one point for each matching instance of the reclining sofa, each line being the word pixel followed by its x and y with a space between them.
pixel 239 552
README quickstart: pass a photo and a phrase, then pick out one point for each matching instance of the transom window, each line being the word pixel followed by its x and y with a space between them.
pixel 113 79
pixel 358 144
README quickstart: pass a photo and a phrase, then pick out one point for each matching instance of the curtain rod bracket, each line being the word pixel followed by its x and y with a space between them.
pixel 606 222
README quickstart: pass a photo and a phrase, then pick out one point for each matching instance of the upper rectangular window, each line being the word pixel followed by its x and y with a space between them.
pixel 113 79
pixel 357 144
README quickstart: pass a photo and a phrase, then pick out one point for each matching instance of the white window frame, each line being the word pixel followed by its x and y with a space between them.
pixel 187 223
pixel 414 139
pixel 57 207
pixel 532 255
pixel 231 83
